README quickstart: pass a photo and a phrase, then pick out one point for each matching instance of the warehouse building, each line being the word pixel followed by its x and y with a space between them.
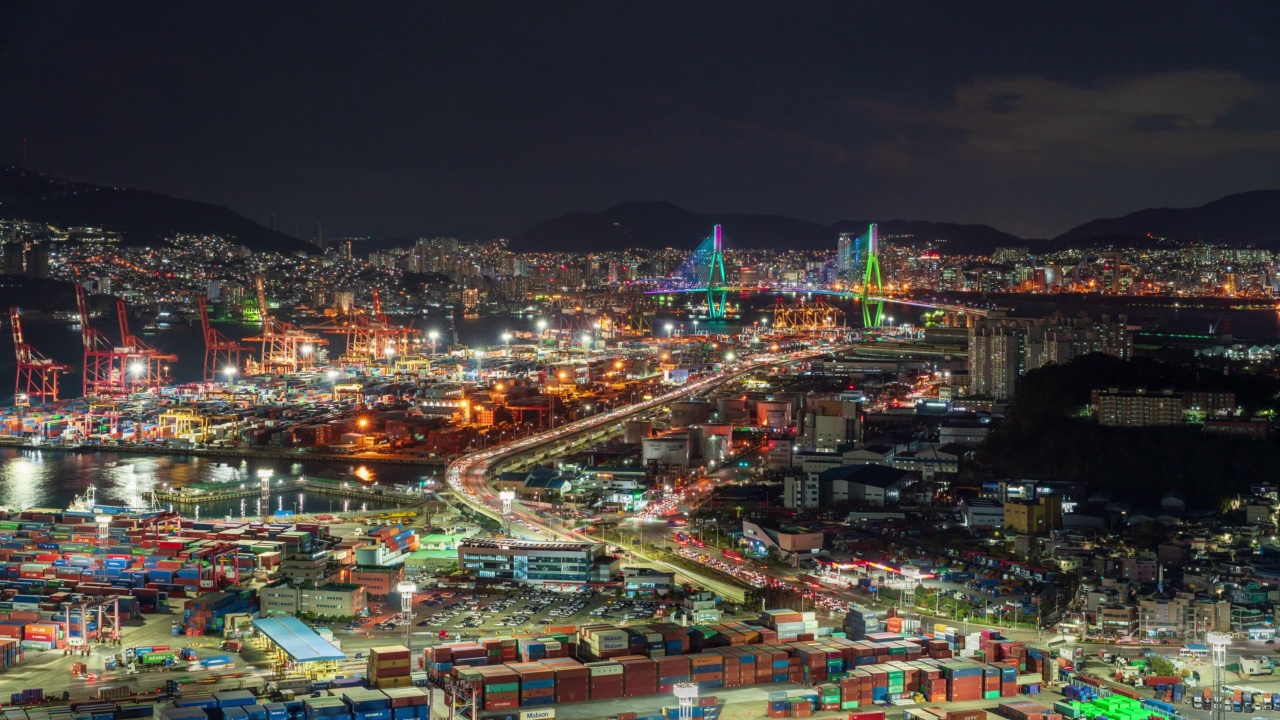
pixel 336 600
pixel 293 646
pixel 558 565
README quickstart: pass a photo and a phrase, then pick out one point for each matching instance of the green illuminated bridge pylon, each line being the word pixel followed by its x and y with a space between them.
pixel 872 287
pixel 717 295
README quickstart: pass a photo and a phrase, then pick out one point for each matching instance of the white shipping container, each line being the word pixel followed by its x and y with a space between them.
pixel 604 669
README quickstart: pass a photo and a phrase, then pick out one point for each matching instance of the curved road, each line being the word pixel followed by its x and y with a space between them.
pixel 469 475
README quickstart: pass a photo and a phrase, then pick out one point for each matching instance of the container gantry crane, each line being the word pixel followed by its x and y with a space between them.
pixel 220 352
pixel 37 380
pixel 147 366
pixel 105 364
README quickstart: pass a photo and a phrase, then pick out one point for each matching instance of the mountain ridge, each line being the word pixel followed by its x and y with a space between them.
pixel 1240 219
pixel 141 217
pixel 654 225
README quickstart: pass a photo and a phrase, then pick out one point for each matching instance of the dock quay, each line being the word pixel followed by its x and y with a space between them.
pixel 214 492
pixel 260 453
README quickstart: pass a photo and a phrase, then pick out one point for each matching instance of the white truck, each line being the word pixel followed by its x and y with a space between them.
pixel 1253 666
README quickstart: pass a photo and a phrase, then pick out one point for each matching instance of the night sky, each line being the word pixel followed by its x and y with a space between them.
pixel 478 119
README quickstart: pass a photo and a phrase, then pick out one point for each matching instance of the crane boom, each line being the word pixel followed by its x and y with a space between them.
pixel 20 347
pixel 86 330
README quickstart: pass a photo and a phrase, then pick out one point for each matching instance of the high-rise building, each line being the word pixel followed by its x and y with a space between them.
pixel 1138 407
pixel 320 236
pixel 1002 348
pixel 847 257
pixel 995 355
pixel 14 258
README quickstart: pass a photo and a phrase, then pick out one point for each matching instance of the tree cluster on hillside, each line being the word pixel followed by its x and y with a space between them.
pixel 1048 436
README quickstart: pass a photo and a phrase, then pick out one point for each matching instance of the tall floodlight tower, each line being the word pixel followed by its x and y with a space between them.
pixel 407 591
pixel 264 477
pixel 872 287
pixel 1218 643
pixel 507 496
pixel 910 581
pixel 104 528
pixel 717 297
pixel 687 696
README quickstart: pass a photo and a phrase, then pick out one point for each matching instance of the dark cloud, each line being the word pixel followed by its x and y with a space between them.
pixel 476 117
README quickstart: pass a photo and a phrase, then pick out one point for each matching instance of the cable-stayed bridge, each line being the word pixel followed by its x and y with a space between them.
pixel 857 267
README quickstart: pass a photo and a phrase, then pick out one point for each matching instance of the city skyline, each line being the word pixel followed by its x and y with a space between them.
pixel 479 121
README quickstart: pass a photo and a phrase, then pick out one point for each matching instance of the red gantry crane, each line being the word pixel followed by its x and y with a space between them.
pixel 147 366
pixel 37 380
pixel 285 347
pixel 105 365
pixel 220 352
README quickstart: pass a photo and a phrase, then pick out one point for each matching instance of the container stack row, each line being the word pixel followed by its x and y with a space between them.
pixel 389 667
pixel 407 703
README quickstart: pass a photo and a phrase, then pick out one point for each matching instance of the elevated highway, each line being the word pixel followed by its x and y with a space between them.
pixel 469 476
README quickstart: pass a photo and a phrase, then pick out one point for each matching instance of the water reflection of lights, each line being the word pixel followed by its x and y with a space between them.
pixel 22 482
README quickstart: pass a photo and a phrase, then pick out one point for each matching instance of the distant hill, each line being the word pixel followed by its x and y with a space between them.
pixel 656 225
pixel 141 217
pixel 953 238
pixel 1248 218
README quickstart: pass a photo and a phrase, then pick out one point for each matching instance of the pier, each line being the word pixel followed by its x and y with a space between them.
pixel 215 492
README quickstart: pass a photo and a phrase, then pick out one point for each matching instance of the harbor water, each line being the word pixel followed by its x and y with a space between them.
pixel 53 479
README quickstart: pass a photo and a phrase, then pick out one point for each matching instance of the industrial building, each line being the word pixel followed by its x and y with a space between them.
pixel 336 600
pixel 556 565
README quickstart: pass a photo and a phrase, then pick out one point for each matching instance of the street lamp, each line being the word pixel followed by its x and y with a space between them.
pixel 729 357
pixel 433 336
pixel 332 375
pixel 231 373
pixel 407 591
pixel 670 327
pixel 695 327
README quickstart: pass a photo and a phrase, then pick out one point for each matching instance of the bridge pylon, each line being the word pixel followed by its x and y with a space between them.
pixel 717 295
pixel 872 286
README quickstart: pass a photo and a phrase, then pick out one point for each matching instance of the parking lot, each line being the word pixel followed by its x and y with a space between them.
pixel 468 614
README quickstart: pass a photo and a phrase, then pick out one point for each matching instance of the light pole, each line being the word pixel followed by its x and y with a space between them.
pixel 687 695
pixel 433 336
pixel 104 534
pixel 407 590
pixel 1218 643
pixel 231 374
pixel 264 477
pixel 506 341
pixel 137 368
pixel 695 328
pixel 506 496
pixel 910 580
